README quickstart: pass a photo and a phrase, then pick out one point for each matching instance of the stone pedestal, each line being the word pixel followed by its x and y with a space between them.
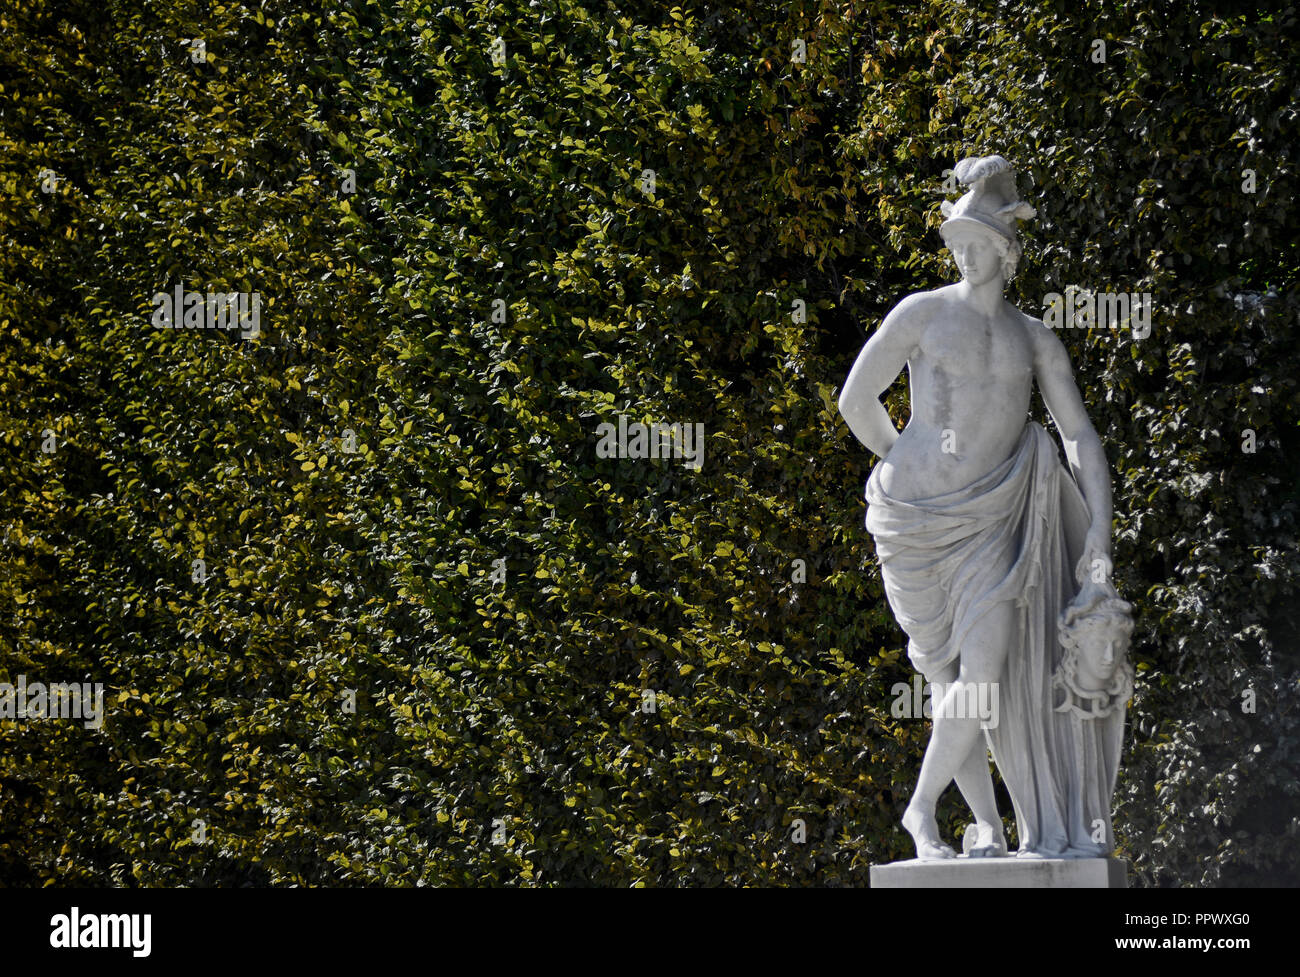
pixel 1002 873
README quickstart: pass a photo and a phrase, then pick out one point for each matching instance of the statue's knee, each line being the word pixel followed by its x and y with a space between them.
pixel 972 696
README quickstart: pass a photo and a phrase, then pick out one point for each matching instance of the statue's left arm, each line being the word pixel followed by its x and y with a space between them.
pixel 1082 445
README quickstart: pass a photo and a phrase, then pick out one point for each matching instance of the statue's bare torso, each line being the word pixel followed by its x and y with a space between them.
pixel 971 377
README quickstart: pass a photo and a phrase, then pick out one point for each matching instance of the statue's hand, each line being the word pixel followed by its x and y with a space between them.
pixel 1095 565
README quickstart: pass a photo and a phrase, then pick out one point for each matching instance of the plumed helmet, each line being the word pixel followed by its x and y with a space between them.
pixel 991 202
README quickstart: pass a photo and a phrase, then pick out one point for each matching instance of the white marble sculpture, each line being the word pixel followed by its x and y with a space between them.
pixel 995 558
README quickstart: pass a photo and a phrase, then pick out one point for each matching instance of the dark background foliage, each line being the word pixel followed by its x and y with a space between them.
pixel 506 698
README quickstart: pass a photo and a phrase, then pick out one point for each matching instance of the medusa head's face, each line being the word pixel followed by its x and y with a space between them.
pixel 1100 645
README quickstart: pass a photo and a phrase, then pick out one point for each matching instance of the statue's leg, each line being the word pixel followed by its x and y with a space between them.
pixel 976 782
pixel 918 821
pixel 976 785
pixel 957 732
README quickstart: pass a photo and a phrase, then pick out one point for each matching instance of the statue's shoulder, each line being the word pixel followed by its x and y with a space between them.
pixel 1047 344
pixel 917 308
pixel 1030 323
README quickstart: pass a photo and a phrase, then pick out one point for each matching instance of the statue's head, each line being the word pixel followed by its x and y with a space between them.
pixel 984 220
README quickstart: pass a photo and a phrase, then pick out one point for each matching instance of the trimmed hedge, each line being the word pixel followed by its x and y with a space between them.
pixel 435 637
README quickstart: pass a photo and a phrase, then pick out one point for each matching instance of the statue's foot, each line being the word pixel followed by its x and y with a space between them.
pixel 984 840
pixel 925 833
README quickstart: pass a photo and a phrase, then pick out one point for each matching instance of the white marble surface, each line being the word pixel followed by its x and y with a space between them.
pixel 1002 873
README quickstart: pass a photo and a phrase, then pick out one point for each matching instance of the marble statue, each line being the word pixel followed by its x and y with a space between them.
pixel 996 557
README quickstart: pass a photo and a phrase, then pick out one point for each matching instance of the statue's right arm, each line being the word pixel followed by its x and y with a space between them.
pixel 879 363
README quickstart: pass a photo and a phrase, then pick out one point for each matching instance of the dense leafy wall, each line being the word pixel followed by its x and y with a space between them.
pixel 435 636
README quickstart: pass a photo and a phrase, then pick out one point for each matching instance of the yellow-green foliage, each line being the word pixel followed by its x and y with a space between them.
pixel 501 601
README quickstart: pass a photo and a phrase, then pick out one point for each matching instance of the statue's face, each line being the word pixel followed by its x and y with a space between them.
pixel 975 253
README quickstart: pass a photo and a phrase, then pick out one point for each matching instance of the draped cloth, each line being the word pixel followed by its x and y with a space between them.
pixel 1013 535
